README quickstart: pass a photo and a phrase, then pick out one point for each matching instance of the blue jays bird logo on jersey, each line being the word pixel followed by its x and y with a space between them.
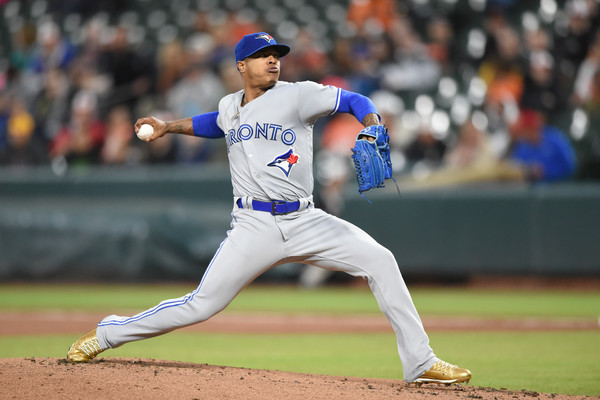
pixel 285 162
pixel 264 36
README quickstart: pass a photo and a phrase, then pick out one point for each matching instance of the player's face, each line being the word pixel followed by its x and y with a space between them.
pixel 261 69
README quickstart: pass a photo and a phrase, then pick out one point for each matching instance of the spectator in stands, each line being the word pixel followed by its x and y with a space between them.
pixel 199 89
pixel 571 46
pixel 588 146
pixel 363 75
pixel 52 51
pixel 23 47
pixel 412 68
pixel 50 106
pixel 81 139
pixel 441 45
pixel 501 71
pixel 118 147
pixel 131 72
pixel 542 151
pixel 90 50
pixel 472 149
pixel 172 63
pixel 584 81
pixel 310 62
pixel 22 148
pixel 539 86
pixel 372 14
pixel 536 39
pixel 86 71
pixel 426 147
pixel 341 55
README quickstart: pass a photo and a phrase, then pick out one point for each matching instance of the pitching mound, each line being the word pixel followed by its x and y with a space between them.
pixel 118 378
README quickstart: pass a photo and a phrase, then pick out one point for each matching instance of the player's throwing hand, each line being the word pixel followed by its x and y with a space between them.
pixel 160 127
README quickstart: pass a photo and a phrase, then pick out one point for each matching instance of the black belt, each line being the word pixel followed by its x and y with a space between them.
pixel 273 207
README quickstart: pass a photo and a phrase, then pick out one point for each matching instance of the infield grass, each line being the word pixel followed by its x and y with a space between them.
pixel 289 299
pixel 558 362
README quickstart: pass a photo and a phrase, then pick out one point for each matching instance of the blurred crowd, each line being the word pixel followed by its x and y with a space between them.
pixel 470 90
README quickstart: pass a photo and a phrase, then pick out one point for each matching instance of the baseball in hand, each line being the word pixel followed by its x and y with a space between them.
pixel 145 131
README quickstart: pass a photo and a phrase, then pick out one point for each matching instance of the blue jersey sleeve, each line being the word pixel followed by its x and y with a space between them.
pixel 355 104
pixel 205 125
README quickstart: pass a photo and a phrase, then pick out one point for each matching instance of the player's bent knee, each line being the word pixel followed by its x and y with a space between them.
pixel 204 310
pixel 385 261
pixel 386 257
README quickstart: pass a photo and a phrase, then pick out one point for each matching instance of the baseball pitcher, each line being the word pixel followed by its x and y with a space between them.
pixel 268 128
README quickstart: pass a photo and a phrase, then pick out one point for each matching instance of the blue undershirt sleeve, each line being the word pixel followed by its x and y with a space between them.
pixel 355 104
pixel 205 125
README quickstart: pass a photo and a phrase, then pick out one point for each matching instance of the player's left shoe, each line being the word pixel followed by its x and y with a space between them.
pixel 444 373
pixel 85 349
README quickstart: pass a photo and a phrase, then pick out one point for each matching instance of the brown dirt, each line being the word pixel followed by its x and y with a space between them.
pixel 118 378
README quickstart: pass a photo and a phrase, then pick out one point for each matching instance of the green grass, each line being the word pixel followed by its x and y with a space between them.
pixel 560 362
pixel 277 299
pixel 512 303
pixel 554 362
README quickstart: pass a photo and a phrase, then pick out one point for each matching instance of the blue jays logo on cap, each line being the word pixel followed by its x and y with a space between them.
pixel 254 42
pixel 285 162
pixel 265 36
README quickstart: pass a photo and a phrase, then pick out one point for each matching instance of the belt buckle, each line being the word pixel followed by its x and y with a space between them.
pixel 276 203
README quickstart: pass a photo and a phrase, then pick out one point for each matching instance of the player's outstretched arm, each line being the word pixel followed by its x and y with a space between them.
pixel 203 125
pixel 181 126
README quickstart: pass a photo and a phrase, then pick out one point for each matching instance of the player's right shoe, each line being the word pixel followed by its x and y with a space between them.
pixel 444 373
pixel 85 349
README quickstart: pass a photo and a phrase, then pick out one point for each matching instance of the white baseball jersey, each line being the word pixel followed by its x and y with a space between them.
pixel 270 139
pixel 269 142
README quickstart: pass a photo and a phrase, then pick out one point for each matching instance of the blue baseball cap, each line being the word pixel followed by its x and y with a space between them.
pixel 254 42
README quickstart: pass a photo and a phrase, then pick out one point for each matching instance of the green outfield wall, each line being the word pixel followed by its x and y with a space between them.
pixel 151 223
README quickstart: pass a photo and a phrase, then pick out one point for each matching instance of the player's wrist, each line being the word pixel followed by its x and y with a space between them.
pixel 370 119
pixel 180 126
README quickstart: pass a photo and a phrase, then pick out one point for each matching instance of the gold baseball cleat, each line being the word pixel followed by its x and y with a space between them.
pixel 85 349
pixel 444 373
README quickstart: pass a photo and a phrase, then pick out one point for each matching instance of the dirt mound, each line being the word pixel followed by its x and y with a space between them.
pixel 118 378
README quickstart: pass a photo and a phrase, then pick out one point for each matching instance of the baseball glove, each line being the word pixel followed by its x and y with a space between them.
pixel 372 158
pixel 370 170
